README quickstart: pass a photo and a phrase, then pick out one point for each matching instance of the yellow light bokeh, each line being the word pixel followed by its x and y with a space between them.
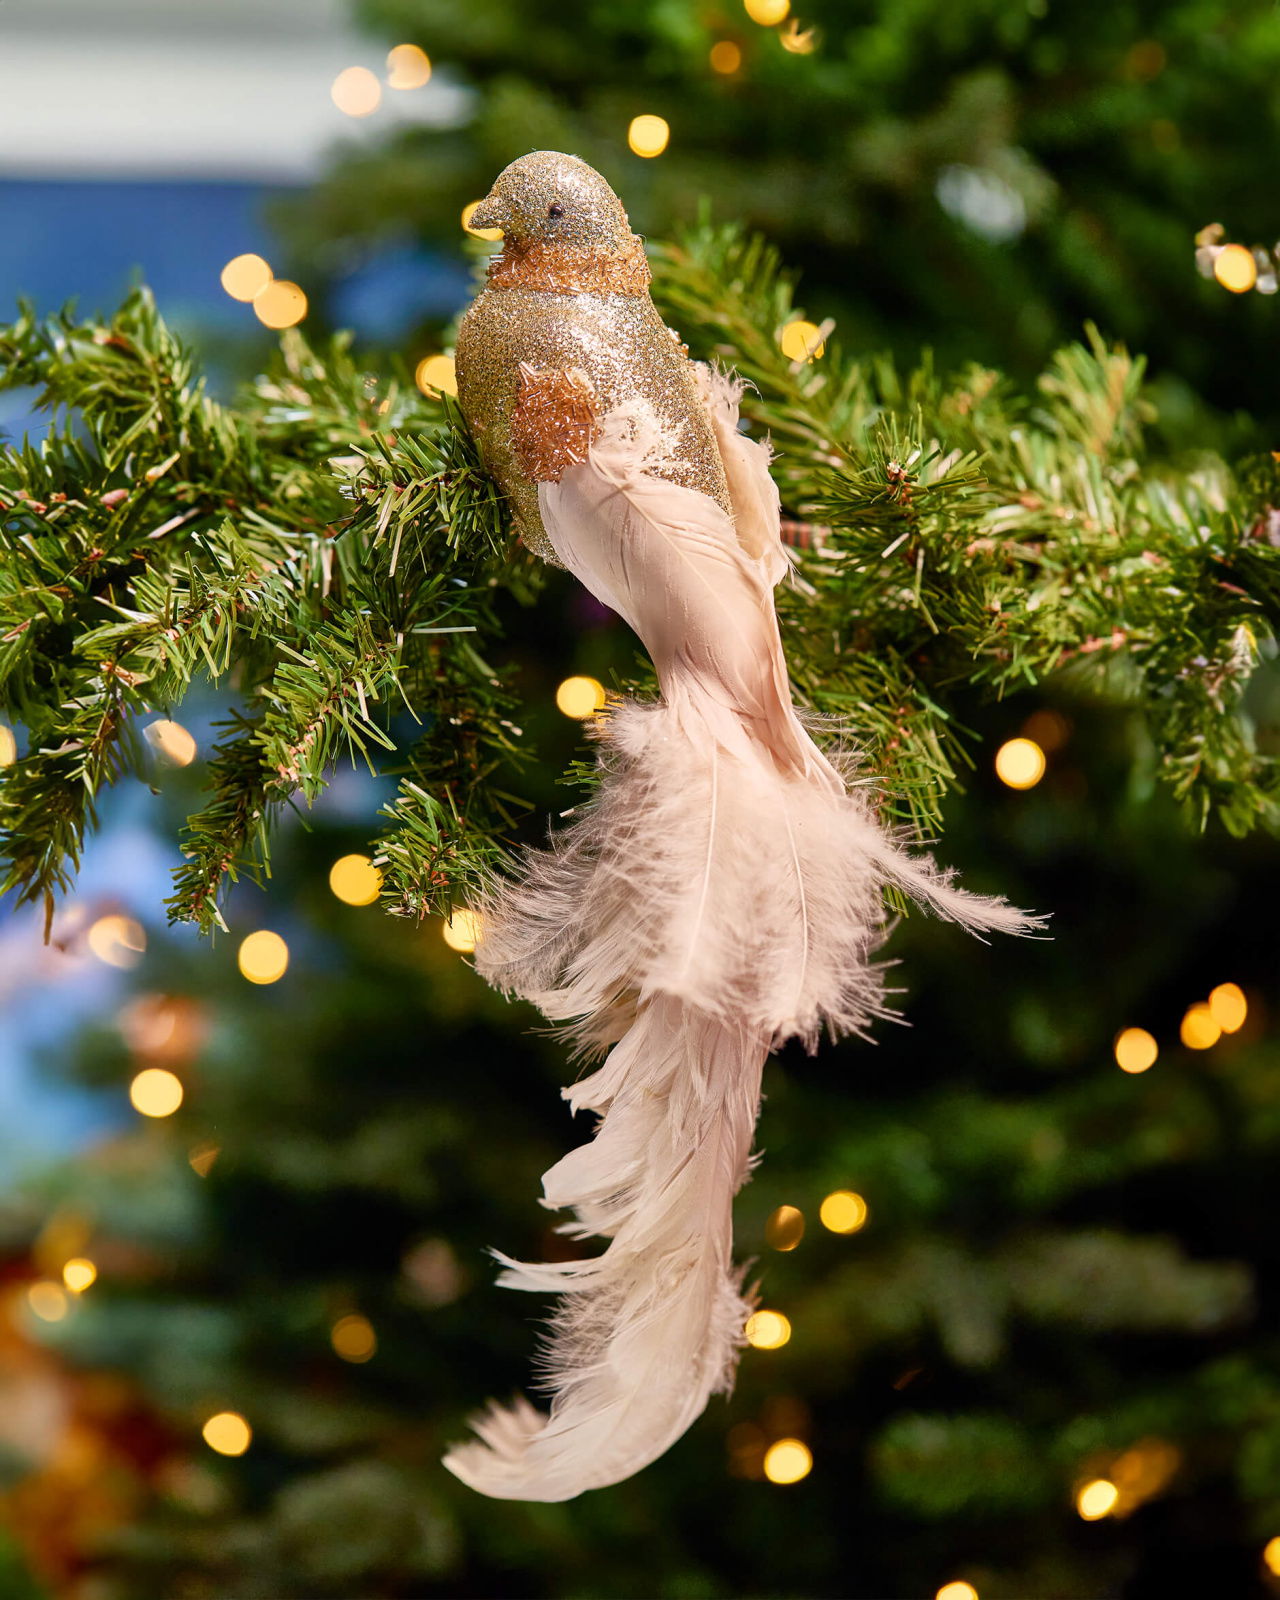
pixel 1235 268
pixel 768 13
pixel 1228 1007
pixel 787 1461
pixel 801 341
pixel 785 1228
pixel 1200 1030
pixel 799 41
pixel 725 57
pixel 462 931
pixel 477 233
pixel 957 1590
pixel 1271 1555
pixel 79 1273
pixel 356 92
pixel 355 880
pixel 245 276
pixel 436 375
pixel 48 1301
pixel 1135 1050
pixel 1020 763
pixel 1097 1499
pixel 156 1092
pixel 172 741
pixel 767 1330
pixel 353 1338
pixel 117 940
pixel 580 698
pixel 648 135
pixel 228 1433
pixel 281 304
pixel 843 1211
pixel 263 957
pixel 408 67
pixel 8 746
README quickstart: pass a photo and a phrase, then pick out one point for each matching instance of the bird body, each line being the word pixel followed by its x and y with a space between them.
pixel 721 893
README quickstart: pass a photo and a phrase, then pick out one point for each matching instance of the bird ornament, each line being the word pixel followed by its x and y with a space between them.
pixel 723 890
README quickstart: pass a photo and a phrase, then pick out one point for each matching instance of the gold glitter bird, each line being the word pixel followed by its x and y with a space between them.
pixel 722 892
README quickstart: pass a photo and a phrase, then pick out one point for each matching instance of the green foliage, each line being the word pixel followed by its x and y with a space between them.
pixel 331 547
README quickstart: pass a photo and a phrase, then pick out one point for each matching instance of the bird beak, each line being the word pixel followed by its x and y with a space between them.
pixel 492 212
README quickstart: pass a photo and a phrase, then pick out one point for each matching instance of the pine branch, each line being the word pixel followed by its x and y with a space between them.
pixel 332 545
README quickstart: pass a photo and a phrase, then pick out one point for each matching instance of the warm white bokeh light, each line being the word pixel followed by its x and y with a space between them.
pixel 172 741
pixel 1228 1007
pixel 356 91
pixel 436 375
pixel 1020 763
pixel 156 1092
pixel 263 957
pixel 462 931
pixel 801 341
pixel 228 1433
pixel 468 211
pixel 281 304
pixel 787 1461
pixel 1097 1499
pixel 1200 1029
pixel 355 880
pixel 117 940
pixel 767 1330
pixel 245 276
pixel 353 1338
pixel 580 698
pixel 408 67
pixel 768 13
pixel 79 1273
pixel 1136 1050
pixel 843 1212
pixel 649 135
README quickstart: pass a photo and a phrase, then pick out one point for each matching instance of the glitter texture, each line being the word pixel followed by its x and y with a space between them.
pixel 563 226
pixel 554 422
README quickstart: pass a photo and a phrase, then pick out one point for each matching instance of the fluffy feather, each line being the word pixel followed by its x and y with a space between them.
pixel 722 892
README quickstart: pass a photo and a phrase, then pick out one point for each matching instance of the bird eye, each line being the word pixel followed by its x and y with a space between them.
pixel 555 209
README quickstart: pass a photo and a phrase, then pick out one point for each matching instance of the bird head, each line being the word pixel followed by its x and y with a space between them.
pixel 549 198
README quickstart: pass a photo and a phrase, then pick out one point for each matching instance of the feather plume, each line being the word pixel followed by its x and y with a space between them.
pixel 722 892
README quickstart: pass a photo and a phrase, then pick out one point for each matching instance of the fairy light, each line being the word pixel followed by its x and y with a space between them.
pixel 801 340
pixel 263 957
pixel 117 940
pixel 843 1211
pixel 785 1228
pixel 245 276
pixel 156 1092
pixel 1200 1030
pixel 462 931
pixel 725 57
pixel 1020 763
pixel 353 1338
pixel 1235 268
pixel 1228 1007
pixel 957 1589
pixel 228 1433
pixel 172 741
pixel 468 211
pixel 281 304
pixel 1097 1499
pixel 8 746
pixel 408 67
pixel 79 1274
pixel 580 698
pixel 648 135
pixel 1135 1050
pixel 768 13
pixel 767 1330
pixel 436 375
pixel 355 880
pixel 48 1301
pixel 356 92
pixel 787 1461
pixel 798 41
pixel 1271 1555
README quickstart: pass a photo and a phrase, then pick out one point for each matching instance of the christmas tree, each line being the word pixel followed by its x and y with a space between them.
pixel 1013 1259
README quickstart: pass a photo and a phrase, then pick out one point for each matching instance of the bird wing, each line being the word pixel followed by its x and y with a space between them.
pixel 757 512
pixel 555 421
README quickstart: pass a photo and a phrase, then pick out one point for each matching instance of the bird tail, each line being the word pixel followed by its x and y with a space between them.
pixel 648 1330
